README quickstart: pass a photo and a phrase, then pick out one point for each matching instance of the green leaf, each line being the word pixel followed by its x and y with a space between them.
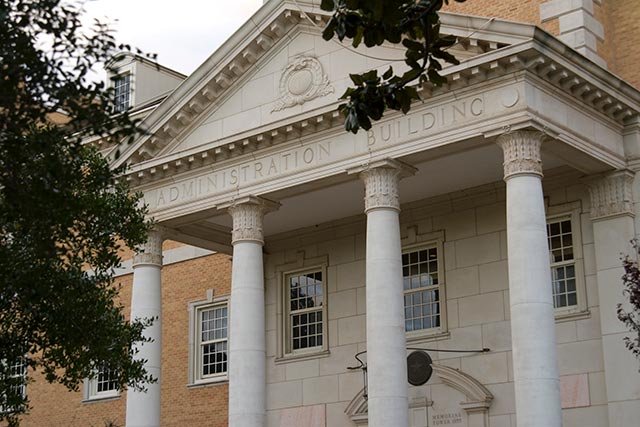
pixel 329 30
pixel 387 74
pixel 358 37
pixel 327 5
pixel 436 78
pixel 411 75
pixel 445 56
pixel 370 76
pixel 413 45
pixel 357 79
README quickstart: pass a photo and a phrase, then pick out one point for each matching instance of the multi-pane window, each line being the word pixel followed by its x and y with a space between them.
pixel 104 384
pixel 563 266
pixel 122 86
pixel 305 302
pixel 106 380
pixel 421 289
pixel 18 372
pixel 212 339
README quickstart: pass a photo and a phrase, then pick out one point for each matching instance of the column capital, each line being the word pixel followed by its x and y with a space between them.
pixel 248 213
pixel 611 195
pixel 381 180
pixel 521 153
pixel 150 253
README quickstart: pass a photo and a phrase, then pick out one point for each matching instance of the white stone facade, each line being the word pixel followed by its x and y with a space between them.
pixel 324 262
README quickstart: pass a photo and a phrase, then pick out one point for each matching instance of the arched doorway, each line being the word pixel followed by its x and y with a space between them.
pixel 451 398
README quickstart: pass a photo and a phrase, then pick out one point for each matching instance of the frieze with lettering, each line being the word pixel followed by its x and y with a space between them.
pixel 231 177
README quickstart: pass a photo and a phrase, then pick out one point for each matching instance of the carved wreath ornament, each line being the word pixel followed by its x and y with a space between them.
pixel 302 81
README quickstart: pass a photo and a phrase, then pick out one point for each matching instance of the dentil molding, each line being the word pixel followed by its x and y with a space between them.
pixel 612 195
pixel 521 153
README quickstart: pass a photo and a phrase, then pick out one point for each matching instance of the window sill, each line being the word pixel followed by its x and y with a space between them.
pixel 209 382
pixel 569 316
pixel 420 337
pixel 100 399
pixel 297 357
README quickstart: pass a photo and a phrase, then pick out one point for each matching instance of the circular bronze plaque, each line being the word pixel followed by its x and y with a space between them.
pixel 419 368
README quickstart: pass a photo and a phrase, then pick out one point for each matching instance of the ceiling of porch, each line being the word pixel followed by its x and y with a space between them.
pixel 469 164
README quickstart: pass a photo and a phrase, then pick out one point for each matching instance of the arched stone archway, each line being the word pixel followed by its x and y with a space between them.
pixel 465 404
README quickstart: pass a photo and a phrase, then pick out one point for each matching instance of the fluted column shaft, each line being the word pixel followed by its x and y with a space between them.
pixel 247 351
pixel 143 408
pixel 386 343
pixel 537 386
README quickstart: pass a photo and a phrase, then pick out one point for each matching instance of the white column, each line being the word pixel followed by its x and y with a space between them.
pixel 613 228
pixel 247 352
pixel 143 408
pixel 386 343
pixel 535 370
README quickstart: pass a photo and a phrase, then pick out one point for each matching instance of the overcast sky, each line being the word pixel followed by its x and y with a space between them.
pixel 183 33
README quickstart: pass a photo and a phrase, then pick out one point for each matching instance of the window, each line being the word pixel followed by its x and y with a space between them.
pixel 212 348
pixel 305 322
pixel 563 268
pixel 421 283
pixel 122 86
pixel 103 385
pixel 18 372
pixel 568 281
pixel 209 333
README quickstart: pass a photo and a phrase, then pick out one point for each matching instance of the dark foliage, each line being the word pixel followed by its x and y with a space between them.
pixel 631 317
pixel 416 25
pixel 63 215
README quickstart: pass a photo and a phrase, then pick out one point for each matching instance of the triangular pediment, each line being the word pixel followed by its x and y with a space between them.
pixel 277 69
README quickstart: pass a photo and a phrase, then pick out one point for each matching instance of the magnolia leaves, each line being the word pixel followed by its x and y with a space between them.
pixel 416 25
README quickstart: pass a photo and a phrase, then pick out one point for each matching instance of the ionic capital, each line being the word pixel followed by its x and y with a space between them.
pixel 248 214
pixel 612 195
pixel 381 183
pixel 150 253
pixel 521 153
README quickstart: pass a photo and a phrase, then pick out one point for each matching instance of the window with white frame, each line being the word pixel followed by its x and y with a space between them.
pixel 122 86
pixel 209 323
pixel 212 341
pixel 562 258
pixel 568 281
pixel 17 371
pixel 305 322
pixel 422 289
pixel 103 385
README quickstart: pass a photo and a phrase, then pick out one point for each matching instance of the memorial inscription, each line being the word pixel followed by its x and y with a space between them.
pixel 447 419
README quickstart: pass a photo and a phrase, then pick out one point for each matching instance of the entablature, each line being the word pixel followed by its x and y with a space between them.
pixel 477 74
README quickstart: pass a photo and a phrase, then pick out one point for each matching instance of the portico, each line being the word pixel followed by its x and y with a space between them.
pixel 234 163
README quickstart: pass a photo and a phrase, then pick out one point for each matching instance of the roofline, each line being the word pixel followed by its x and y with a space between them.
pixel 219 64
pixel 146 61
